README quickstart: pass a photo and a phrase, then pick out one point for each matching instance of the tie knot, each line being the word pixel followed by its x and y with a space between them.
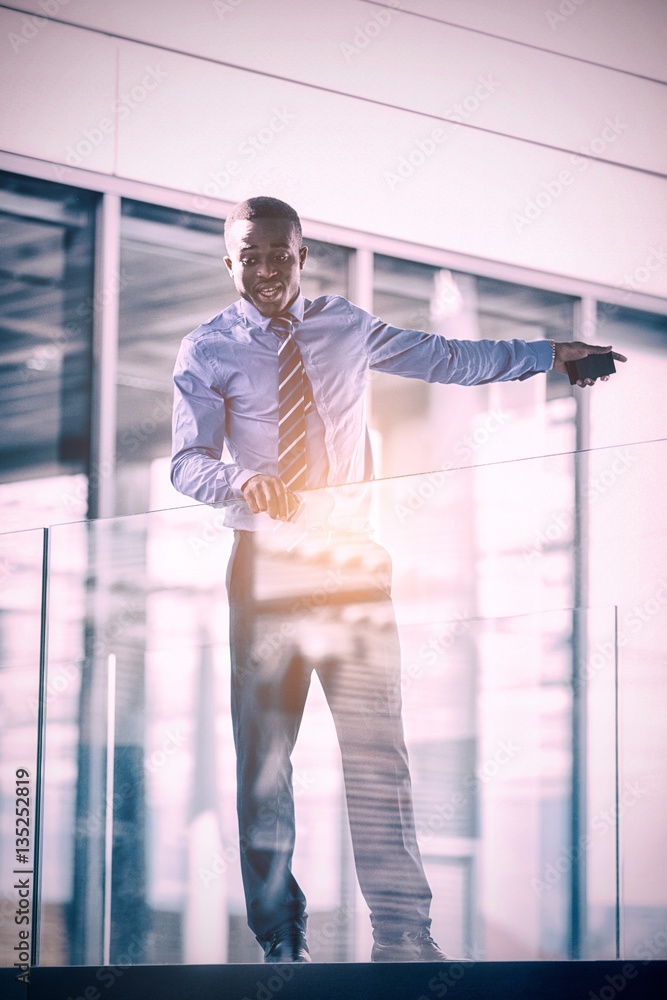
pixel 282 324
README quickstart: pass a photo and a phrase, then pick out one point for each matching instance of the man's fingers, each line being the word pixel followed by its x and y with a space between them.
pixel 594 349
pixel 576 351
pixel 250 495
pixel 281 504
pixel 275 499
pixel 268 499
pixel 267 494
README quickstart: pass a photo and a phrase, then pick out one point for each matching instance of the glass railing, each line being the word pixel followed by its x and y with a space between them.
pixel 529 605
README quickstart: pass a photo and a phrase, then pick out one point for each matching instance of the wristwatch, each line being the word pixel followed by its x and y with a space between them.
pixel 552 344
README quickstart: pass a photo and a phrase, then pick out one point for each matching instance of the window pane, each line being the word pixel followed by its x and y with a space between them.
pixel 634 409
pixel 46 302
pixel 172 279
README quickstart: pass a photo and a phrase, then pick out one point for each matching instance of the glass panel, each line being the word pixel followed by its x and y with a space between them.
pixel 508 707
pixel 172 279
pixel 46 302
pixel 634 409
pixel 21 562
pixel 418 426
pixel 627 499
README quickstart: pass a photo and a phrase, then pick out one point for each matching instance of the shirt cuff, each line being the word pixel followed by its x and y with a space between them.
pixel 242 477
pixel 543 355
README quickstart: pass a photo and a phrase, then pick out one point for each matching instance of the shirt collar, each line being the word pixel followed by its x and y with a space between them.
pixel 255 317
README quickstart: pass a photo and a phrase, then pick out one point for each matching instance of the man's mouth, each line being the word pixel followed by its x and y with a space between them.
pixel 268 293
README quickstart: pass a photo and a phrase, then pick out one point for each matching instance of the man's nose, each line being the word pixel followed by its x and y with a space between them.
pixel 266 268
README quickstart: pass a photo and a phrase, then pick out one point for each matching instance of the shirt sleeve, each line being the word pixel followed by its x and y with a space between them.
pixel 432 358
pixel 198 434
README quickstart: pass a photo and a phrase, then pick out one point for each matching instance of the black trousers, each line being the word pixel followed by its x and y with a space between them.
pixel 323 608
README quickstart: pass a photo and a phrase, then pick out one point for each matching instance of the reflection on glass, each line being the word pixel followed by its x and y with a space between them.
pixel 491 684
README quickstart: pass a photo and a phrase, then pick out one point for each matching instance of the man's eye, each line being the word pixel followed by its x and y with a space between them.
pixel 248 261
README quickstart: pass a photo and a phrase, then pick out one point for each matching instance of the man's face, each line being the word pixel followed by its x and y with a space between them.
pixel 265 263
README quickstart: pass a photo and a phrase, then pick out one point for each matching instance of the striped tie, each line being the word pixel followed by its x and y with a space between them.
pixel 294 401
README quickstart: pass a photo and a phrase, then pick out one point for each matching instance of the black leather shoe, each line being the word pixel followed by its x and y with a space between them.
pixel 419 947
pixel 287 945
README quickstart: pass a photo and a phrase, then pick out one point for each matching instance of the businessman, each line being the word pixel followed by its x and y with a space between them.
pixel 280 380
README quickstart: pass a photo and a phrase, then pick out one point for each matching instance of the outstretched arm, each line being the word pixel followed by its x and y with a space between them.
pixel 433 358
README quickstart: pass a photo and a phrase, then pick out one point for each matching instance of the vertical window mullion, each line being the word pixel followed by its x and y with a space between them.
pixel 105 357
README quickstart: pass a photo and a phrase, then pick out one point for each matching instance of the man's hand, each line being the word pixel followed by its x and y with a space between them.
pixel 575 351
pixel 268 493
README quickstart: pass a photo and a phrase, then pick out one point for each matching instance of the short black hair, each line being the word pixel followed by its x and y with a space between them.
pixel 262 207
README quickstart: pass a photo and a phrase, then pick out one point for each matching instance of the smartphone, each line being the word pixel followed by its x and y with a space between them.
pixel 592 366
